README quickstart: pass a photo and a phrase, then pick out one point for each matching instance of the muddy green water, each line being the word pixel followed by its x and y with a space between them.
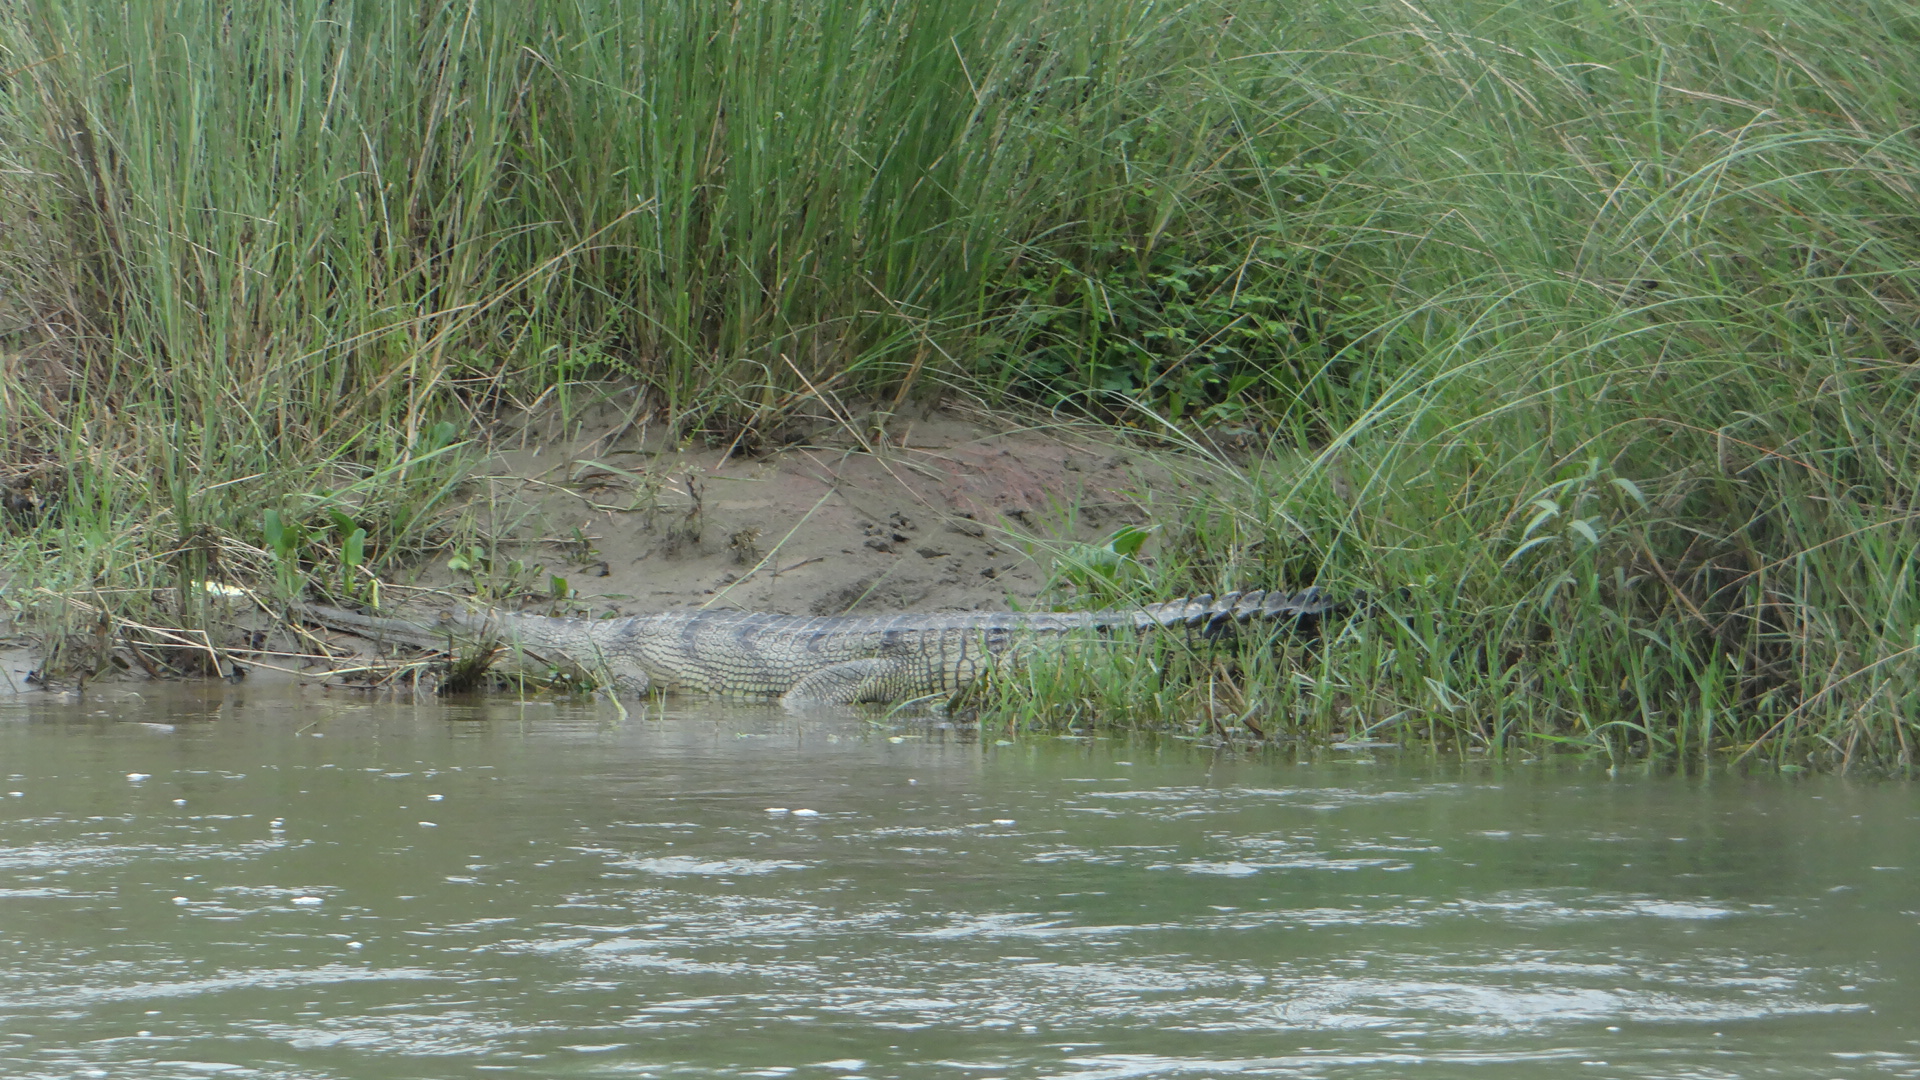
pixel 270 885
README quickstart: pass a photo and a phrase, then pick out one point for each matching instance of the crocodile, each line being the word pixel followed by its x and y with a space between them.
pixel 833 660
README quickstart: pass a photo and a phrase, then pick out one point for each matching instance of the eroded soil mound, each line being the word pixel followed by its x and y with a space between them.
pixel 953 512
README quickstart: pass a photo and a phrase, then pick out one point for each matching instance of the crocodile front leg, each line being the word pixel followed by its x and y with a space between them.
pixel 627 678
pixel 849 683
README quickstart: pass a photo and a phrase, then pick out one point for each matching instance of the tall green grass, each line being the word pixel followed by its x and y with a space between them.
pixel 289 206
pixel 1636 426
pixel 1593 324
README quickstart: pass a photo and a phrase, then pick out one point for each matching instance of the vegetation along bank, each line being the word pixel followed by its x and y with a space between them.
pixel 1592 326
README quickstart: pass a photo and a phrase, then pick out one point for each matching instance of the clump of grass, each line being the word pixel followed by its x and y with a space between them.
pixel 723 203
pixel 1636 429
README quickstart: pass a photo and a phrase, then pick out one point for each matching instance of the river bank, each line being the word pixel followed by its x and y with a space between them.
pixel 1589 330
pixel 958 510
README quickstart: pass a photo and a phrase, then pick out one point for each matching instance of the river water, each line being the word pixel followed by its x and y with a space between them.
pixel 265 884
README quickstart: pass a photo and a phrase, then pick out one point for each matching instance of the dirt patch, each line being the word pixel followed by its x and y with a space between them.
pixel 952 512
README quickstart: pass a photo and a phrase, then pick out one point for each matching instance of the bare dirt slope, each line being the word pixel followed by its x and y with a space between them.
pixel 949 512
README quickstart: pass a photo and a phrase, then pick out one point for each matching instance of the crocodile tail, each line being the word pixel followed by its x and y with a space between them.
pixel 1217 617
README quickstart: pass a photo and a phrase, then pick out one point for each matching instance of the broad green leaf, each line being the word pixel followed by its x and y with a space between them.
pixel 1632 489
pixel 1524 548
pixel 1128 540
pixel 1548 510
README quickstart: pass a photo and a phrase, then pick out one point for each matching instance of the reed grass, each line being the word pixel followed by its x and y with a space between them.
pixel 1635 425
pixel 1591 325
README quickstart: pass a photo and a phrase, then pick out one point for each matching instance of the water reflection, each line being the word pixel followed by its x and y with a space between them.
pixel 303 887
